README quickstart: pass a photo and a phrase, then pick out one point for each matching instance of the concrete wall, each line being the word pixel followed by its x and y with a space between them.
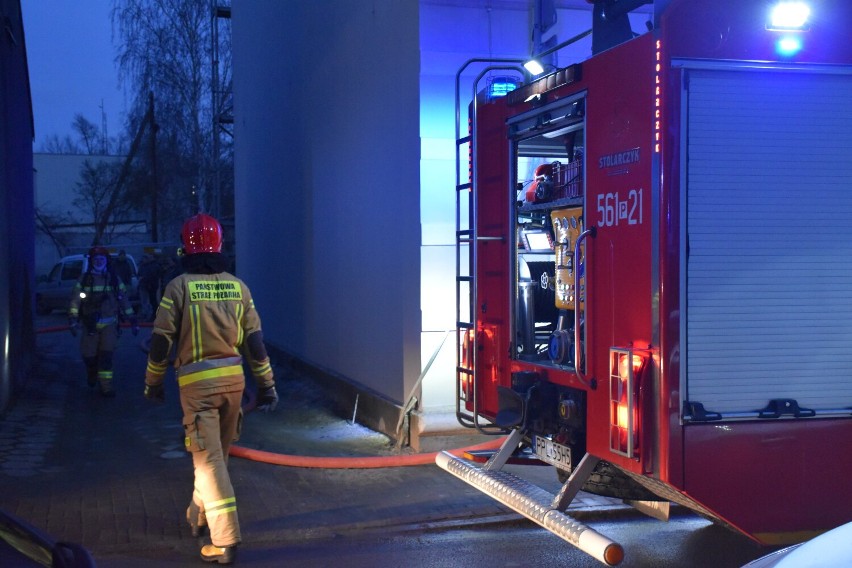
pixel 56 177
pixel 56 180
pixel 16 207
pixel 327 182
pixel 451 35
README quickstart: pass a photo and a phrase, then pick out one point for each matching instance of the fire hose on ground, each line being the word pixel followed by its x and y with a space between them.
pixel 527 500
pixel 328 462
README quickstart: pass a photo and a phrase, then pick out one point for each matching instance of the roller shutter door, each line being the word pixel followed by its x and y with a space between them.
pixel 769 227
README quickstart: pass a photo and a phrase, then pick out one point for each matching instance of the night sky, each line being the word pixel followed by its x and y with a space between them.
pixel 71 63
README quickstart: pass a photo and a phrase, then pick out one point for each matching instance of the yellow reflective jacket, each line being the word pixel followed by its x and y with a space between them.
pixel 206 318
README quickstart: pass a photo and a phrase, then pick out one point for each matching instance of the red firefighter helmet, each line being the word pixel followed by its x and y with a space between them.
pixel 201 233
pixel 98 251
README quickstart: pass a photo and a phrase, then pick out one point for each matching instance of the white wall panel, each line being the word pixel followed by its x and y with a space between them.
pixel 326 103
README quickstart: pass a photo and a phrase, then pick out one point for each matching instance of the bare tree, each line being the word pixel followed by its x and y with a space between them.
pixel 47 223
pixel 165 48
pixel 89 140
pixel 100 190
pixel 89 134
pixel 55 145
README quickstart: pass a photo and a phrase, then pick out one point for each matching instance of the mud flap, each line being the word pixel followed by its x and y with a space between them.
pixel 660 510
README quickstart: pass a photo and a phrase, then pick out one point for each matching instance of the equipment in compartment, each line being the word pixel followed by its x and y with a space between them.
pixel 554 181
pixel 541 189
pixel 567 226
pixel 536 314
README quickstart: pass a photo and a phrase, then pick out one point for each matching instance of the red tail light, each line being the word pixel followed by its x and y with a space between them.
pixel 625 369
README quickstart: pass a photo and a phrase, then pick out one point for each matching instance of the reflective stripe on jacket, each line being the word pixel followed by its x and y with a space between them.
pixel 95 293
pixel 206 318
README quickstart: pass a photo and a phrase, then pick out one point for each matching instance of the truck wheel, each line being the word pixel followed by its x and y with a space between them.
pixel 609 481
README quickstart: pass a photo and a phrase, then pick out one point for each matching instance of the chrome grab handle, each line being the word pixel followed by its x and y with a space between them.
pixel 577 349
pixel 478 238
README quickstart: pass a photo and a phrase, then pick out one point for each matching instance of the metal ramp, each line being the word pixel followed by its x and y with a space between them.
pixel 533 502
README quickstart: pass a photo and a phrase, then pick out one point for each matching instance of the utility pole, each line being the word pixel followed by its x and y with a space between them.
pixel 155 188
pixel 102 221
pixel 104 140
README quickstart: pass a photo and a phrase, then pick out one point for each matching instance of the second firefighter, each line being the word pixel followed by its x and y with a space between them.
pixel 98 303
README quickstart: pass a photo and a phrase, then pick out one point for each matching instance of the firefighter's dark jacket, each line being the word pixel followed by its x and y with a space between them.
pixel 207 315
pixel 99 299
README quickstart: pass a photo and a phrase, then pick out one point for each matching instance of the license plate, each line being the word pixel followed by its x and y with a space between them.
pixel 552 453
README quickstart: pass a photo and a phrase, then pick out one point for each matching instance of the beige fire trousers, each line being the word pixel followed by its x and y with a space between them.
pixel 212 421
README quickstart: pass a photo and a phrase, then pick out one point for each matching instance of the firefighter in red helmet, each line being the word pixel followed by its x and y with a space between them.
pixel 99 301
pixel 208 317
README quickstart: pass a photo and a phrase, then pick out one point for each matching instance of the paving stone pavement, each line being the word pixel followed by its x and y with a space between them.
pixel 112 475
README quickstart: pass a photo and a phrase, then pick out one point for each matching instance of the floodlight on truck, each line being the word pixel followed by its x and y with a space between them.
pixel 789 17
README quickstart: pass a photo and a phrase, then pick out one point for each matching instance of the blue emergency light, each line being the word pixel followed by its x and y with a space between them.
pixel 788 45
pixel 789 17
pixel 501 86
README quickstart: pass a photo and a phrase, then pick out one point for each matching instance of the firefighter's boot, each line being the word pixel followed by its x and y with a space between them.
pixel 105 379
pixel 196 518
pixel 91 370
pixel 220 555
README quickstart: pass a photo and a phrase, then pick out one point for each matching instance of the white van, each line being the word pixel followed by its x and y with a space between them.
pixel 53 292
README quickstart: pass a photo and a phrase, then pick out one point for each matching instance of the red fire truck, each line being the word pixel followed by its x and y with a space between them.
pixel 655 270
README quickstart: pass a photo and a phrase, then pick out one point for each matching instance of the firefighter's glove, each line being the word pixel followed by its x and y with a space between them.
pixel 74 326
pixel 155 393
pixel 134 326
pixel 267 399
